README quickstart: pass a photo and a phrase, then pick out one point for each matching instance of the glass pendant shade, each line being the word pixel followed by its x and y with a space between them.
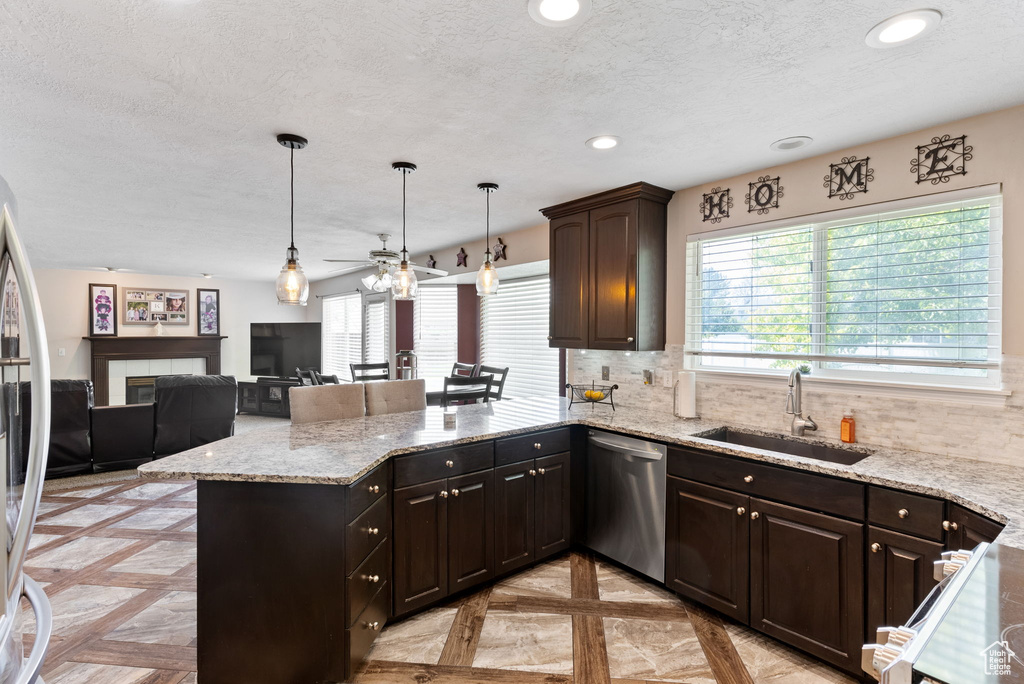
pixel 487 277
pixel 292 284
pixel 404 284
pixel 379 281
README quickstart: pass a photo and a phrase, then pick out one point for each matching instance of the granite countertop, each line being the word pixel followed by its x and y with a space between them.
pixel 340 452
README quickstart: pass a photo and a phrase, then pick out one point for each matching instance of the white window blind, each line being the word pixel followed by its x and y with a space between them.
pixel 913 290
pixel 377 328
pixel 435 321
pixel 514 333
pixel 342 334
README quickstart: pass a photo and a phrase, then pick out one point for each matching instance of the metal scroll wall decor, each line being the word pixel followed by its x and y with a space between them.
pixel 715 205
pixel 849 177
pixel 941 159
pixel 763 195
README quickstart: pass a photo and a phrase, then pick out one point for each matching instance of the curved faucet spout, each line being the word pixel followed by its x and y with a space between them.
pixel 794 406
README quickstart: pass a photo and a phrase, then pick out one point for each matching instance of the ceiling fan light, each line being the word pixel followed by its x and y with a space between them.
pixel 487 278
pixel 404 285
pixel 292 283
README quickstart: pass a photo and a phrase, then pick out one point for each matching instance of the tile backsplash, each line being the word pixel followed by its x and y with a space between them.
pixel 984 432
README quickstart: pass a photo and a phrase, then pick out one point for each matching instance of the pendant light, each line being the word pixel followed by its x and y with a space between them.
pixel 487 276
pixel 403 282
pixel 292 284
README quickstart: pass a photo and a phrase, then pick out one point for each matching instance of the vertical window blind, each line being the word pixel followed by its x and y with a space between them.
pixel 376 328
pixel 514 333
pixel 915 290
pixel 342 334
pixel 435 320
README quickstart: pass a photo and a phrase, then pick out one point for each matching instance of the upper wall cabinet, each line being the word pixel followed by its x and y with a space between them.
pixel 607 262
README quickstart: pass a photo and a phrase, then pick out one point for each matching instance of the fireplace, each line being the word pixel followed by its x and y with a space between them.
pixel 140 389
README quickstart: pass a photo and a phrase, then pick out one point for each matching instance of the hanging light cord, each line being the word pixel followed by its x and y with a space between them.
pixel 487 234
pixel 293 196
pixel 405 173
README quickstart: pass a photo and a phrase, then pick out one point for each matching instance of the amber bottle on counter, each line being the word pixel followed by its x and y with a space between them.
pixel 847 429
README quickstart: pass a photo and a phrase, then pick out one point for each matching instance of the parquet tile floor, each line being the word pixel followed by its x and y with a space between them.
pixel 118 562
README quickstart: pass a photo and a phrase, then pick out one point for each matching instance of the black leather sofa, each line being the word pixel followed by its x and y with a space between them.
pixel 189 411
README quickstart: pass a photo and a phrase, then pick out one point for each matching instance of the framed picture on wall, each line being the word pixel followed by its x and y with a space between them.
pixel 102 310
pixel 208 305
pixel 149 306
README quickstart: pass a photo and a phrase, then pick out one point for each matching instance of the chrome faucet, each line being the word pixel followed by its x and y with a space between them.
pixel 800 424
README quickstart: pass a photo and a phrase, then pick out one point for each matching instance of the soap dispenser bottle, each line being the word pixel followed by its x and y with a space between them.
pixel 847 429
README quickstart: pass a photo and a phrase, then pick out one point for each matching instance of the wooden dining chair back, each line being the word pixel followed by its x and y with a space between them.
pixel 498 377
pixel 369 372
pixel 475 388
pixel 325 379
pixel 467 370
pixel 306 377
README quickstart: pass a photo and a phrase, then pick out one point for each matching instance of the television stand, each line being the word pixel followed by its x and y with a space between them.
pixel 266 396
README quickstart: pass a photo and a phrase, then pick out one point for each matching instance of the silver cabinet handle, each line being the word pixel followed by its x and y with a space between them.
pixel 876 547
pixel 541 471
pixel 741 510
pixel 949 526
pixel 903 513
pixel 450 464
pixel 532 471
pixel 444 495
pixel 455 492
pixel 629 339
pixel 755 515
pixel 373 579
pixel 536 445
pixel 373 531
pixel 373 626
pixel 748 479
pixel 375 489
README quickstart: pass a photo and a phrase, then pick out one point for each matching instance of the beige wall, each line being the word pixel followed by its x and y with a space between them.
pixel 64 295
pixel 998 141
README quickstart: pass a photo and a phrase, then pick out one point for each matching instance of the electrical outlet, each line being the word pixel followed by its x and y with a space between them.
pixel 666 378
pixel 61 351
pixel 605 372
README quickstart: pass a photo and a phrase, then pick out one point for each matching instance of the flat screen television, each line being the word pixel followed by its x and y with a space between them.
pixel 277 349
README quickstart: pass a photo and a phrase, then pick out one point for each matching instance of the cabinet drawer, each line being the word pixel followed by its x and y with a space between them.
pixel 815 492
pixel 360 636
pixel 436 465
pixel 914 514
pixel 363 584
pixel 365 532
pixel 366 490
pixel 515 449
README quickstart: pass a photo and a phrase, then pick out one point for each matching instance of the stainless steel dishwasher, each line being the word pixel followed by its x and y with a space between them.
pixel 626 501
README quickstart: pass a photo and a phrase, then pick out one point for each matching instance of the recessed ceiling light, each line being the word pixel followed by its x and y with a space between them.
pixel 792 143
pixel 903 28
pixel 603 142
pixel 206 275
pixel 559 12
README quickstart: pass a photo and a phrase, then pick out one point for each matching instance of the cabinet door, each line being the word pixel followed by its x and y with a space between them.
pixel 899 577
pixel 420 546
pixel 514 510
pixel 807 581
pixel 968 529
pixel 553 521
pixel 569 263
pixel 470 529
pixel 707 555
pixel 613 245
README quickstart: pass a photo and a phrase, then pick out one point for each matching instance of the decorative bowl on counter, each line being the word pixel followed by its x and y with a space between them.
pixel 592 394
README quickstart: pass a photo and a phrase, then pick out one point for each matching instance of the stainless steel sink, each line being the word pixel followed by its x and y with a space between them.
pixel 793 447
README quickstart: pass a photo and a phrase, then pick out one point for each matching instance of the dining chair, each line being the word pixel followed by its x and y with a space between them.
pixel 325 379
pixel 326 402
pixel 396 396
pixel 306 377
pixel 368 372
pixel 497 385
pixel 464 369
pixel 480 389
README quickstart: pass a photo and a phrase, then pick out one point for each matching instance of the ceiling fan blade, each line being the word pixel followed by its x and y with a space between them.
pixel 348 261
pixel 424 269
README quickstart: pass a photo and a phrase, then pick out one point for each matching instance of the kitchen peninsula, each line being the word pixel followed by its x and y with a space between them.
pixel 312 536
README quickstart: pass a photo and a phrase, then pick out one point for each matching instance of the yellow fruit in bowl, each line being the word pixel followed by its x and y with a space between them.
pixel 588 394
pixel 597 396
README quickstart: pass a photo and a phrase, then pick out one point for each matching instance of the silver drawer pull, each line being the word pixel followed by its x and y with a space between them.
pixel 373 579
pixel 629 339
pixel 876 547
pixel 375 489
pixel 541 471
pixel 903 513
pixel 755 515
pixel 373 531
pixel 455 492
pixel 536 445
pixel 748 479
pixel 450 464
pixel 444 494
pixel 741 510
pixel 532 471
pixel 949 526
pixel 373 626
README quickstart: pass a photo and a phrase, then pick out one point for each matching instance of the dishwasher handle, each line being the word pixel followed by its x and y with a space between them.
pixel 625 449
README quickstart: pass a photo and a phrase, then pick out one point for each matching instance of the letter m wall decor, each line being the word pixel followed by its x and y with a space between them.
pixel 849 177
pixel 941 159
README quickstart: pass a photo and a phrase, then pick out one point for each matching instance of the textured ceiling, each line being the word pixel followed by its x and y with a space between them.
pixel 140 133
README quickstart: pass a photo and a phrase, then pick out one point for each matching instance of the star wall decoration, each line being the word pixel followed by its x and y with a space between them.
pixel 431 262
pixel 460 258
pixel 499 250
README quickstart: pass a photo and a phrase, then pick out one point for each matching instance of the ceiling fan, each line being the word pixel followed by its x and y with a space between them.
pixel 385 261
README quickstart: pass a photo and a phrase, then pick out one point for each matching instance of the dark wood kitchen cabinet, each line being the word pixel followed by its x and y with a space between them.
pixel 607 269
pixel 708 549
pixel 470 529
pixel 532 502
pixel 899 577
pixel 807 580
pixel 966 529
